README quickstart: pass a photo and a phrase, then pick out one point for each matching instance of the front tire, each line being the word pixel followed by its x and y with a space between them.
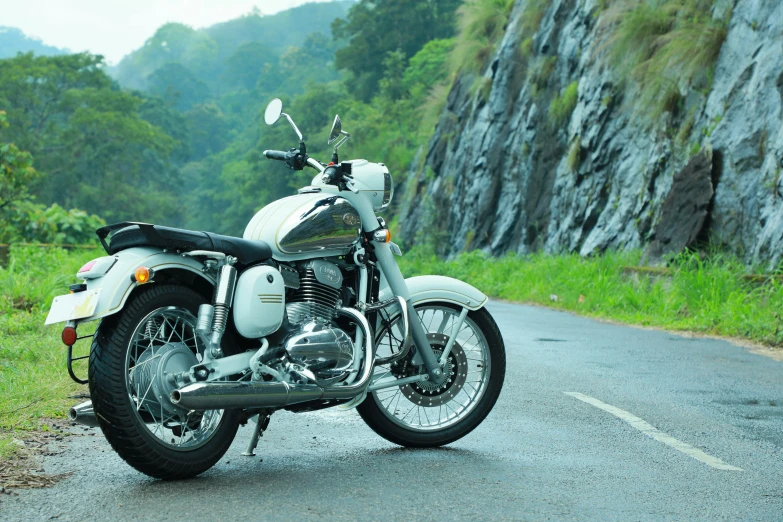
pixel 421 415
pixel 131 355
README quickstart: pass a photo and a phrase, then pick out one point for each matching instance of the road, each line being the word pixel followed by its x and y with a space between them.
pixel 595 422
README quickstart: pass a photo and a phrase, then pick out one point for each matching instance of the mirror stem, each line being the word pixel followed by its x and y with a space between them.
pixel 287 117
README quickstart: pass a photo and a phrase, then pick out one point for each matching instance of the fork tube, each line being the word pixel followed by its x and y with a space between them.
pixel 399 288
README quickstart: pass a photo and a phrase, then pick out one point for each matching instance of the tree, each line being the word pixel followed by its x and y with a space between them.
pixel 174 83
pixel 373 28
pixel 16 171
pixel 92 148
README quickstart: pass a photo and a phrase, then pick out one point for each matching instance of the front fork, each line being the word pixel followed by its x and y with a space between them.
pixel 399 288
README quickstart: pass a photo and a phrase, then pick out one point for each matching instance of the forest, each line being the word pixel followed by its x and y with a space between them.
pixel 173 134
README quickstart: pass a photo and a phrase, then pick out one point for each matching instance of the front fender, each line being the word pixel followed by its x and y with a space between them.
pixel 116 286
pixel 429 288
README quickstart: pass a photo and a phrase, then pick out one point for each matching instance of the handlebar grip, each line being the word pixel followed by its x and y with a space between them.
pixel 275 155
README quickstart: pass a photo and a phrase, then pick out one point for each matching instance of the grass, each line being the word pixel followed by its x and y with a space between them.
pixel 34 384
pixel 562 106
pixel 663 46
pixel 705 296
pixel 481 24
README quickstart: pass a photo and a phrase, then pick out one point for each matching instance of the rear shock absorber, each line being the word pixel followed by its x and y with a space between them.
pixel 212 319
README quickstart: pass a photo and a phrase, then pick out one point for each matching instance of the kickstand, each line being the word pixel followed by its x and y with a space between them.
pixel 262 422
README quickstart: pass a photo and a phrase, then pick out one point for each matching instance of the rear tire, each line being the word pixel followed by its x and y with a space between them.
pixel 383 414
pixel 116 378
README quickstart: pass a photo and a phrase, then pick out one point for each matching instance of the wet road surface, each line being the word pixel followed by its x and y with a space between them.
pixel 595 422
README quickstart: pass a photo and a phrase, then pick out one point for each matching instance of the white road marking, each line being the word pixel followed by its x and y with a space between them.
pixel 653 432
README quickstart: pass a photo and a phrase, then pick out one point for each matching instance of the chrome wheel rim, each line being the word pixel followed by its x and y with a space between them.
pixel 470 364
pixel 165 342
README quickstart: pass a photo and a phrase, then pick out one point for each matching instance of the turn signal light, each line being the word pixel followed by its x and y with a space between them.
pixel 69 336
pixel 142 275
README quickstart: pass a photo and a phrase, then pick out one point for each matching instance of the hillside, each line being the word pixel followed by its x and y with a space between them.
pixel 603 125
pixel 14 41
pixel 208 53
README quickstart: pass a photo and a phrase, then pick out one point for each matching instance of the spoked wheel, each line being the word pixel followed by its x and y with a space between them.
pixel 132 358
pixel 426 414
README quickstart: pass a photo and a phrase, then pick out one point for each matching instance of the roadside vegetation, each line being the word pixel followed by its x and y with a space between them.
pixel 34 384
pixel 708 296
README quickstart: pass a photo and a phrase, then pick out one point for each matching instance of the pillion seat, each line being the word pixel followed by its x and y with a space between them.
pixel 128 234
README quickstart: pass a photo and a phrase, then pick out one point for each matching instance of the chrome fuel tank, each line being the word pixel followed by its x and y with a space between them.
pixel 299 226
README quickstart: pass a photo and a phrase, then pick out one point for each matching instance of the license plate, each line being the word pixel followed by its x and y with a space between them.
pixel 73 306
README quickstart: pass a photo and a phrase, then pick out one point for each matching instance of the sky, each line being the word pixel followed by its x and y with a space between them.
pixel 114 28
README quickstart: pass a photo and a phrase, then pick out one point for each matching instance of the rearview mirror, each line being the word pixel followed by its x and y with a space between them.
pixel 337 128
pixel 273 111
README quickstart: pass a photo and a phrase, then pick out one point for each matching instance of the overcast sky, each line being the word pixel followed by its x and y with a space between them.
pixel 114 28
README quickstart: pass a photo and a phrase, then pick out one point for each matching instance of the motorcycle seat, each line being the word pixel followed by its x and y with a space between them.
pixel 128 234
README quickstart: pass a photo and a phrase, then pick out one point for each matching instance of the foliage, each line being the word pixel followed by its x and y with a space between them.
pixel 702 295
pixel 92 147
pixel 33 382
pixel 34 223
pixel 16 170
pixel 562 106
pixel 481 24
pixel 374 28
pixel 663 47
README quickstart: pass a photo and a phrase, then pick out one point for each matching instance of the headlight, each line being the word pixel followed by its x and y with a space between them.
pixel 388 190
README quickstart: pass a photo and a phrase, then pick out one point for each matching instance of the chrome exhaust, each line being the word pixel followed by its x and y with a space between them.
pixel 83 414
pixel 234 395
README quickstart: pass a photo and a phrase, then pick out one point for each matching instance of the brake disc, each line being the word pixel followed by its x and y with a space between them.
pixel 429 394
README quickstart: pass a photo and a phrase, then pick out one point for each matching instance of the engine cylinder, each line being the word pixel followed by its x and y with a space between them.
pixel 316 297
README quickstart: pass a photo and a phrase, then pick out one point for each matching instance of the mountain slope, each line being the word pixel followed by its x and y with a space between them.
pixel 204 51
pixel 14 41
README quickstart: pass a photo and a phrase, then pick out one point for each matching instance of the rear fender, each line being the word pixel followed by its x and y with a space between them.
pixel 116 286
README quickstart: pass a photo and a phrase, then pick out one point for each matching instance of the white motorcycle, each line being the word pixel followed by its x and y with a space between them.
pixel 200 332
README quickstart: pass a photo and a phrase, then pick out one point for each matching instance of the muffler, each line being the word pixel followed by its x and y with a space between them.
pixel 218 395
pixel 83 414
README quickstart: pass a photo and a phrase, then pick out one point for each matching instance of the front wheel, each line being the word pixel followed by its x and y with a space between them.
pixel 132 355
pixel 427 415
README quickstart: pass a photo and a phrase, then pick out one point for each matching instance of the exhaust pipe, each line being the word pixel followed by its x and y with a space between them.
pixel 234 395
pixel 83 414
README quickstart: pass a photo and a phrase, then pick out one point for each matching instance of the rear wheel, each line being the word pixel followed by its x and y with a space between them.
pixel 132 355
pixel 424 414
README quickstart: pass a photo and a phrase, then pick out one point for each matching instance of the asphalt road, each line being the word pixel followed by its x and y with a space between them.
pixel 620 447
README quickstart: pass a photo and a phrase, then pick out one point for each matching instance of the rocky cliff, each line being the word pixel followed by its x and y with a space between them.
pixel 506 171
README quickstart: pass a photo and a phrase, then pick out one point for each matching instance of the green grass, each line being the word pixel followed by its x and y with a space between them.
pixel 34 383
pixel 663 46
pixel 562 106
pixel 709 297
pixel 481 24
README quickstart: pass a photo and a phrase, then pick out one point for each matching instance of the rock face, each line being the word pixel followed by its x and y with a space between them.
pixel 501 176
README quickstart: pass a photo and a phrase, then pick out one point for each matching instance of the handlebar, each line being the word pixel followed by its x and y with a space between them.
pixel 278 155
pixel 289 156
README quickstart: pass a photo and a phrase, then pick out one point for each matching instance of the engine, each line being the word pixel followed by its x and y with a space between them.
pixel 314 349
pixel 325 352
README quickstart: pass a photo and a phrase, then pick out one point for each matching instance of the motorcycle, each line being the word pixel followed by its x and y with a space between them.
pixel 201 332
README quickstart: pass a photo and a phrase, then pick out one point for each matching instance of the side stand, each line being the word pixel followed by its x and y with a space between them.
pixel 262 422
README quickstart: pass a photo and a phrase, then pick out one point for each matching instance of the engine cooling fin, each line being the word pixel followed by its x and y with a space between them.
pixel 313 299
